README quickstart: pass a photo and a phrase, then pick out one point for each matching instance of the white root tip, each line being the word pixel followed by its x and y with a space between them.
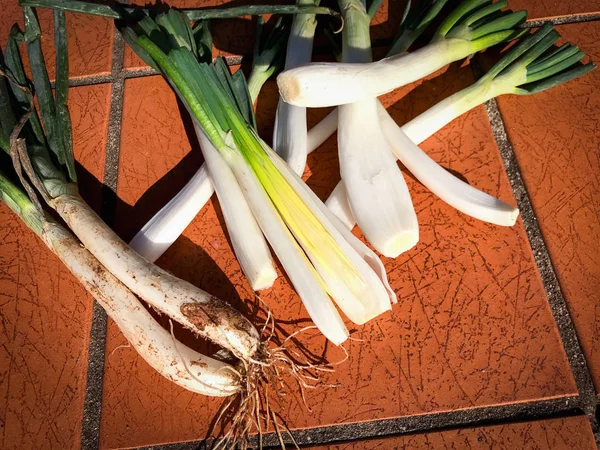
pixel 289 87
pixel 512 218
pixel 400 244
pixel 264 279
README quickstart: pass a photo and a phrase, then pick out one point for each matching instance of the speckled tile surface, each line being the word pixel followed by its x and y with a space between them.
pixel 45 313
pixel 556 139
pixel 472 338
pixel 573 433
pixel 472 326
pixel 545 9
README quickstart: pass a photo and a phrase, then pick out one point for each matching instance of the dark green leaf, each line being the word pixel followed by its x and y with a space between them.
pixel 547 83
pixel 503 23
pixel 519 49
pixel 556 68
pixel 563 52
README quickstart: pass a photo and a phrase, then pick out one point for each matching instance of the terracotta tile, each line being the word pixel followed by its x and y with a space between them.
pixel 45 314
pixel 90 39
pixel 472 326
pixel 556 142
pixel 541 9
pixel 571 433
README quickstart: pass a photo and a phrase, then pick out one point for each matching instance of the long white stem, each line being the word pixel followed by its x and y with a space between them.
pixel 375 275
pixel 298 268
pixel 172 359
pixel 159 233
pixel 337 203
pixel 442 183
pixel 180 300
pixel 248 242
pixel 376 190
pixel 331 84
pixel 290 132
pixel 418 130
pixel 322 131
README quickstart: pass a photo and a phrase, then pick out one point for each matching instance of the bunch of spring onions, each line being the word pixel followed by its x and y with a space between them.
pixel 480 23
pixel 320 256
pixel 376 191
pixel 166 226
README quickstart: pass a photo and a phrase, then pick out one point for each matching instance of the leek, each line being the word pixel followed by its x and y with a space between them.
pixel 377 193
pixel 193 308
pixel 172 359
pixel 473 26
pixel 166 226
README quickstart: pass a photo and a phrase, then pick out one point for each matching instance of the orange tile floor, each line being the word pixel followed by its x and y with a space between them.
pixel 494 342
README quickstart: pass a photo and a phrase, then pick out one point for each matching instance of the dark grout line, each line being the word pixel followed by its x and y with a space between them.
pixel 90 435
pixel 468 418
pixel 137 73
pixel 563 20
pixel 92 79
pixel 556 299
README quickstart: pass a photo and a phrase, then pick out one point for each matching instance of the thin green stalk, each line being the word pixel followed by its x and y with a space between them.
pixel 15 70
pixel 122 12
pixel 20 204
pixel 61 88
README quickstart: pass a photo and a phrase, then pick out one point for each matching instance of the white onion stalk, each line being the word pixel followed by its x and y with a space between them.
pixel 290 132
pixel 248 242
pixel 522 71
pixel 159 233
pixel 462 34
pixel 350 279
pixel 172 359
pixel 183 302
pixel 337 203
pixel 377 192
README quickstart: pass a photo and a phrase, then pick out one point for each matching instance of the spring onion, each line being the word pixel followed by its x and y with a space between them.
pixel 377 192
pixel 203 313
pixel 473 26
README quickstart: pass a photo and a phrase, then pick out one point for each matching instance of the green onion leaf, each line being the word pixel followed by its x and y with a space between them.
pixel 484 12
pixel 122 12
pixel 502 23
pixel 456 16
pixel 561 53
pixel 556 68
pixel 61 86
pixel 519 49
pixel 550 82
pixel 414 23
